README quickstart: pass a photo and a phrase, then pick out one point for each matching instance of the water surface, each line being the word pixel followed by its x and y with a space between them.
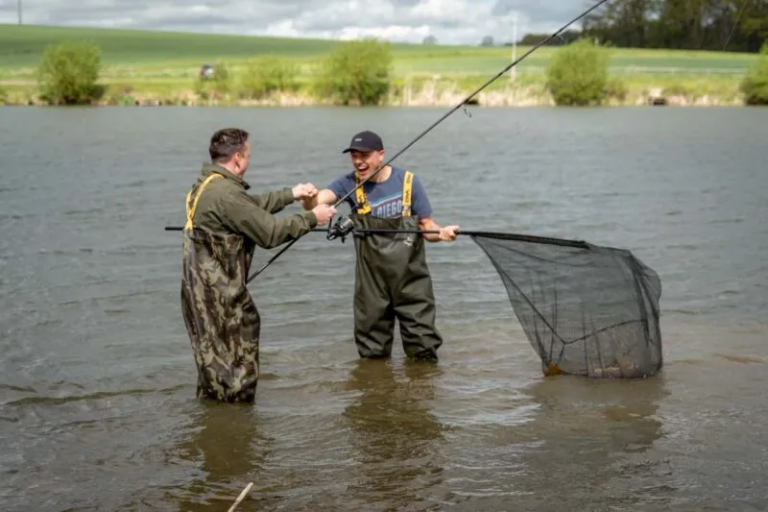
pixel 97 406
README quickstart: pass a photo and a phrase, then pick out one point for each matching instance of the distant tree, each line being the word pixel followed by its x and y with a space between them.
pixel 735 25
pixel 577 74
pixel 564 38
pixel 430 40
pixel 532 39
pixel 266 75
pixel 487 41
pixel 357 72
pixel 755 82
pixel 69 72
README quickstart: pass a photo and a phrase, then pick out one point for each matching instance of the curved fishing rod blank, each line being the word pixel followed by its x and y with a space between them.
pixel 465 100
pixel 451 111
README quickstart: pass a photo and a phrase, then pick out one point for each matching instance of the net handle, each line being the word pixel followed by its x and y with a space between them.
pixel 580 244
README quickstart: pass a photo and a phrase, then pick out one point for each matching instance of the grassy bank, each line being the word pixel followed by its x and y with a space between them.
pixel 162 67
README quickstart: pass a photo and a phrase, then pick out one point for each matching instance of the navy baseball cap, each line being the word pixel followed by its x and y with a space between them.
pixel 365 141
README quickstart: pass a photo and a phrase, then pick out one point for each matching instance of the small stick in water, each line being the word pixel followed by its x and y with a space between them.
pixel 240 498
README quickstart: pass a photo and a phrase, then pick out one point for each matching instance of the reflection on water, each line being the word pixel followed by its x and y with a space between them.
pixel 397 439
pixel 225 448
pixel 591 437
pixel 96 395
pixel 580 445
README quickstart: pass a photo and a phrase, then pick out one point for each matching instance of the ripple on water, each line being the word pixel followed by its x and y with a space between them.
pixel 97 393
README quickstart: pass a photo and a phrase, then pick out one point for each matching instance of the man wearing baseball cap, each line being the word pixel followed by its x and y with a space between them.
pixel 392 279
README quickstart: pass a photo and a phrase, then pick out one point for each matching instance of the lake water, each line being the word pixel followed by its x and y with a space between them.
pixel 97 380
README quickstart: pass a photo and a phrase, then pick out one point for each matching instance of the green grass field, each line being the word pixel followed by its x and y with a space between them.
pixel 159 62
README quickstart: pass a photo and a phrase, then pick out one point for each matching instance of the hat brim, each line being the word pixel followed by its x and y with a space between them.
pixel 362 149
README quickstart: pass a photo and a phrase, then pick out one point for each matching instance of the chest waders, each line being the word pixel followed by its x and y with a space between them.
pixel 221 318
pixel 392 281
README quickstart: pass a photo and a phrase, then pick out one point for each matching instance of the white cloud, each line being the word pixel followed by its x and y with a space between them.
pixel 450 21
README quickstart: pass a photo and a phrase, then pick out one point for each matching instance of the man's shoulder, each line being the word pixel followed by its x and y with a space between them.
pixel 343 182
pixel 223 186
pixel 399 172
pixel 350 176
pixel 419 198
pixel 219 193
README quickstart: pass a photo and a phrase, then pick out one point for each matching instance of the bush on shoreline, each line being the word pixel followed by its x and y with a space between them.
pixel 268 75
pixel 356 73
pixel 577 75
pixel 69 73
pixel 755 83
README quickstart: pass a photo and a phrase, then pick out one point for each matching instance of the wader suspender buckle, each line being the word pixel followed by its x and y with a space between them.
pixel 407 187
pixel 191 209
pixel 407 198
pixel 362 202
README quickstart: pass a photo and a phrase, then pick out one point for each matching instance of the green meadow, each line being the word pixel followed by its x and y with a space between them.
pixel 164 65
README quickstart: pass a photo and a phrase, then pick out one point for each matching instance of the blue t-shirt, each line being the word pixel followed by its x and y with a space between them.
pixel 385 198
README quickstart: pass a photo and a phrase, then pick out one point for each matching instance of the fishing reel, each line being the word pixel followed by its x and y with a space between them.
pixel 340 229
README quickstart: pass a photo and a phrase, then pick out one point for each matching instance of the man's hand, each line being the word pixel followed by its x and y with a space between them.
pixel 304 191
pixel 448 233
pixel 324 213
pixel 325 196
pixel 308 202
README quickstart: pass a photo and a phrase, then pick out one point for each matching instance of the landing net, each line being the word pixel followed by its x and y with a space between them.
pixel 586 310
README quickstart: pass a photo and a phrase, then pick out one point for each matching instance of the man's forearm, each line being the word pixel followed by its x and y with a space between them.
pixel 325 196
pixel 242 214
pixel 274 202
pixel 269 231
pixel 309 202
pixel 430 225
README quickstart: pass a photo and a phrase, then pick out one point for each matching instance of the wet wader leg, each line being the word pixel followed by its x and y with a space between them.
pixel 415 298
pixel 374 316
pixel 416 312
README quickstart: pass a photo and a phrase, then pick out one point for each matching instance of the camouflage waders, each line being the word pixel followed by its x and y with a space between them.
pixel 221 318
pixel 392 281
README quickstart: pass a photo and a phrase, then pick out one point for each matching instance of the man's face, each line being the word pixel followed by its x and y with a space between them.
pixel 242 159
pixel 366 163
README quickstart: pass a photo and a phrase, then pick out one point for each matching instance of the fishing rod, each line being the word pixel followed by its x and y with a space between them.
pixel 735 24
pixel 487 234
pixel 441 119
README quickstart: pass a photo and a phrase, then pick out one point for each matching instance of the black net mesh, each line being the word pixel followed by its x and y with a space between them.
pixel 587 310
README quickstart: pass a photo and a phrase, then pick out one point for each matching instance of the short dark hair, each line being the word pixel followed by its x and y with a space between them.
pixel 226 142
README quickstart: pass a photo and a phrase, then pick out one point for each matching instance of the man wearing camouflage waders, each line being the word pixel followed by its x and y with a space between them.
pixel 392 279
pixel 224 225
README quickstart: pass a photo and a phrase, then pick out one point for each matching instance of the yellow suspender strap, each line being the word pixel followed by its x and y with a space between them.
pixel 191 209
pixel 407 188
pixel 361 199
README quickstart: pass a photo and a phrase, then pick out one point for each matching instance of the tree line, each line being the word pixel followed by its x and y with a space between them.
pixel 354 73
pixel 732 25
pixel 578 75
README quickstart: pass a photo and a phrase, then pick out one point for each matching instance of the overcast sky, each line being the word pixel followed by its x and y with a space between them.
pixel 450 21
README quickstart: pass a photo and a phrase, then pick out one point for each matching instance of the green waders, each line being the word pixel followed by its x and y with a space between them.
pixel 392 281
pixel 221 318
